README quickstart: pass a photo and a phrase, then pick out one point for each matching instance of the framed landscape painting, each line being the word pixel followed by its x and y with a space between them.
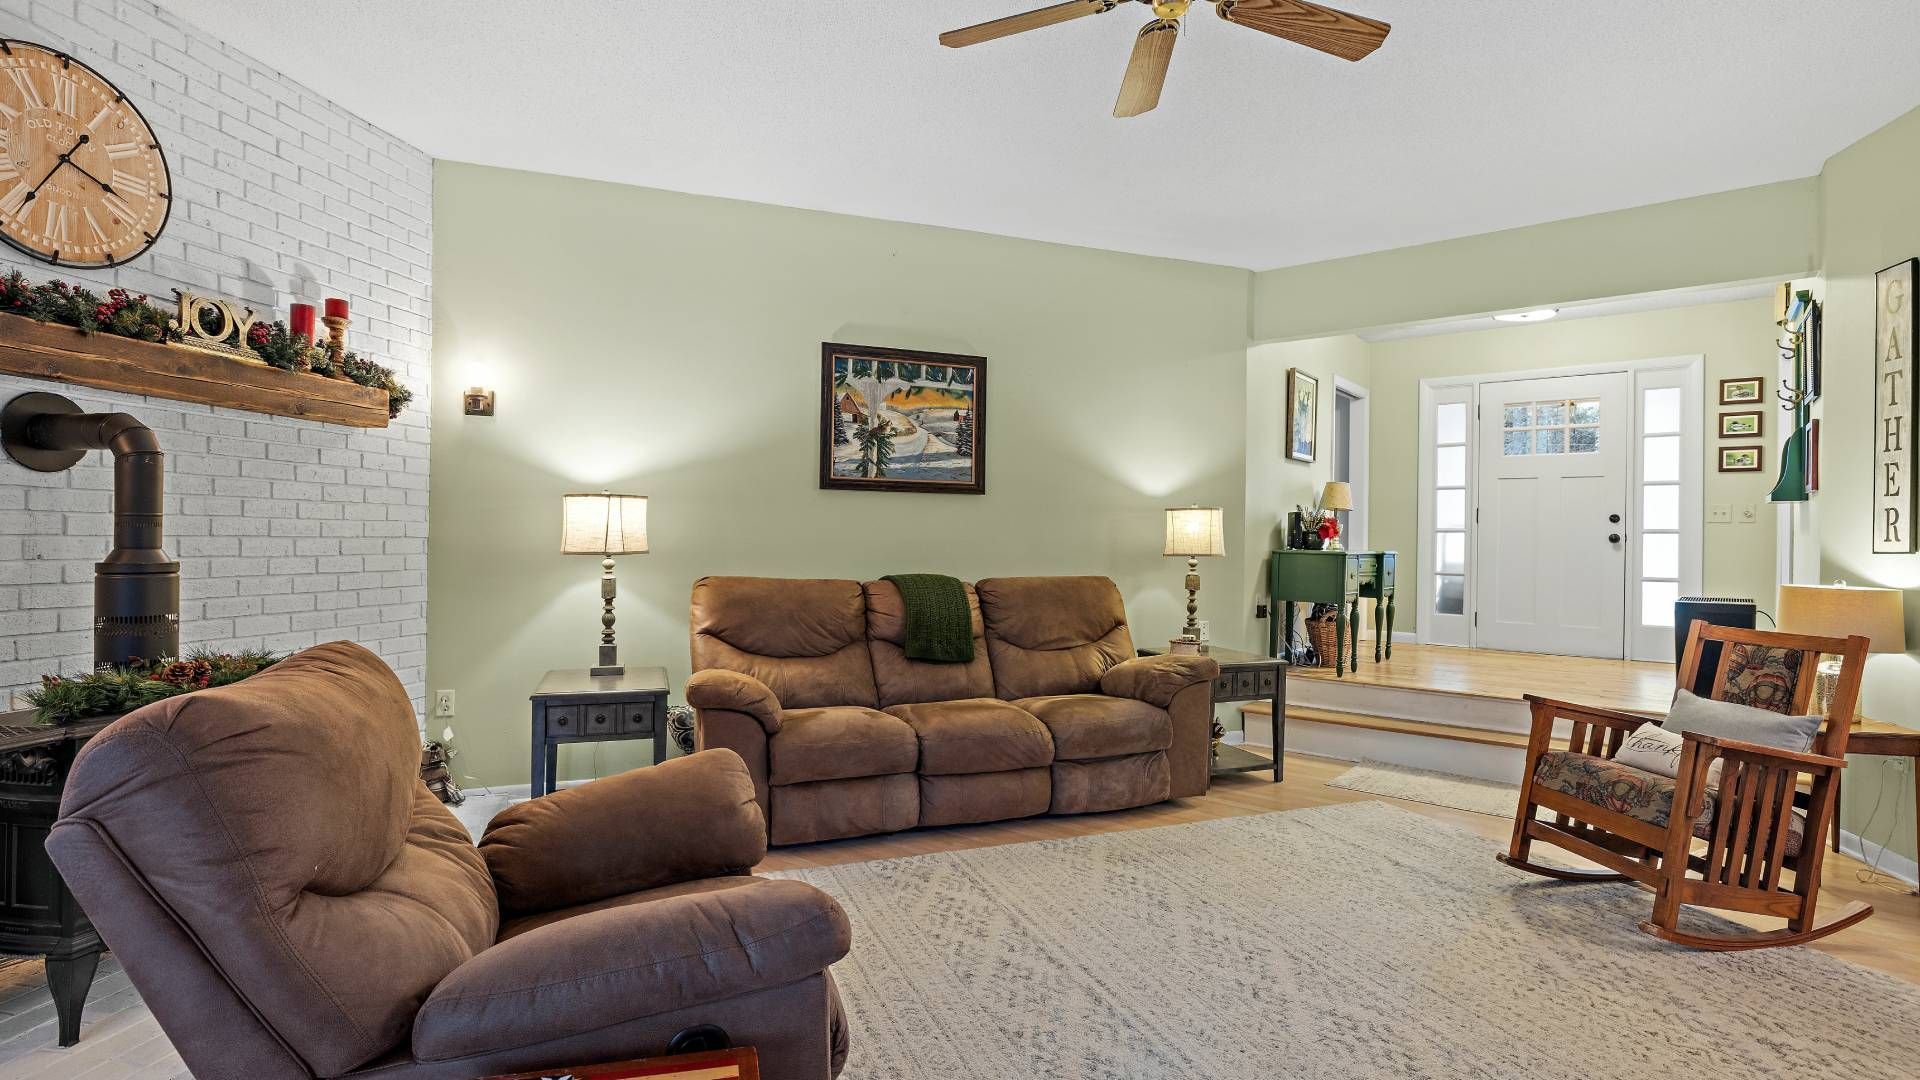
pixel 900 420
pixel 1740 459
pixel 1742 391
pixel 1741 425
pixel 1303 415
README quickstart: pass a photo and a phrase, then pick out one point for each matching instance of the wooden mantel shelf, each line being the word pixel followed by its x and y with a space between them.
pixel 48 351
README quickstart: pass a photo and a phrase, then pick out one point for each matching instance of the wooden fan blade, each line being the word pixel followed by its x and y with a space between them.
pixel 1347 36
pixel 1147 70
pixel 1030 20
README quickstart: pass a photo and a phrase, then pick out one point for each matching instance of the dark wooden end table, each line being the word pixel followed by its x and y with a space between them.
pixel 1246 676
pixel 573 705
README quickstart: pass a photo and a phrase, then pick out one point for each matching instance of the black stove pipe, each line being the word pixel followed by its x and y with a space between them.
pixel 136 588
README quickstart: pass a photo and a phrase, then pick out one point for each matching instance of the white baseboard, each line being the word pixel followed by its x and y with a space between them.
pixel 1891 863
pixel 1406 637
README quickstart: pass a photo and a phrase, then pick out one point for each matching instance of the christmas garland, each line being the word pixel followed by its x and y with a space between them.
pixel 125 314
pixel 109 691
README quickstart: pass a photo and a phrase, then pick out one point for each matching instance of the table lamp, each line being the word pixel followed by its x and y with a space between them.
pixel 605 525
pixel 1337 495
pixel 1194 531
pixel 1841 610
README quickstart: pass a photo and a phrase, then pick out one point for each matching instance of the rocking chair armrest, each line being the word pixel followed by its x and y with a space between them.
pixel 1552 709
pixel 1808 762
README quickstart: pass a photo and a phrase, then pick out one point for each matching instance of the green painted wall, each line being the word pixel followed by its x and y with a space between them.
pixel 668 345
pixel 1871 220
pixel 1753 234
pixel 1737 340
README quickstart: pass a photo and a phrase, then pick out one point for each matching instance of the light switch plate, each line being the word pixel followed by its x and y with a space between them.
pixel 1719 513
pixel 1206 629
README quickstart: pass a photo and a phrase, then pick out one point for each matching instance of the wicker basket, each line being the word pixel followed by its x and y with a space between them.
pixel 1323 632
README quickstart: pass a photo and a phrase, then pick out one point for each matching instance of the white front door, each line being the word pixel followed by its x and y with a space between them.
pixel 1552 549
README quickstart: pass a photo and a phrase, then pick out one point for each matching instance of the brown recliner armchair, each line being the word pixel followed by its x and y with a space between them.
pixel 291 901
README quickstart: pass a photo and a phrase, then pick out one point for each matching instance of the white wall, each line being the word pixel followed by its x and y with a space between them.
pixel 288 532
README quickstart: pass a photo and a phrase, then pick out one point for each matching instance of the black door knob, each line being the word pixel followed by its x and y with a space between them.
pixel 1613 538
pixel 1614 518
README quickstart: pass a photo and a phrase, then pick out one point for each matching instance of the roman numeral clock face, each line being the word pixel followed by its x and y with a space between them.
pixel 82 179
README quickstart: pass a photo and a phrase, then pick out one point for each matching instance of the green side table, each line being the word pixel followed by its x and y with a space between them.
pixel 1341 578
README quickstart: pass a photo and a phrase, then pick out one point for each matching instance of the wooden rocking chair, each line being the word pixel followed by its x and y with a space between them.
pixel 1647 828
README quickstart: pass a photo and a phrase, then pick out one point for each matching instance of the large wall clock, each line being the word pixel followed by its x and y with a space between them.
pixel 82 179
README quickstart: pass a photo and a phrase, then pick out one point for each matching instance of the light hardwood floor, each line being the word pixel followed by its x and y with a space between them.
pixel 1630 685
pixel 1889 941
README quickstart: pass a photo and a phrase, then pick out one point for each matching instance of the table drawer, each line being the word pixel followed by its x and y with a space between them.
pixel 563 720
pixel 1267 682
pixel 602 719
pixel 1246 684
pixel 639 717
pixel 1223 686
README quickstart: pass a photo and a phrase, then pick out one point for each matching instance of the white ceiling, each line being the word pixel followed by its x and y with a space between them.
pixel 1476 115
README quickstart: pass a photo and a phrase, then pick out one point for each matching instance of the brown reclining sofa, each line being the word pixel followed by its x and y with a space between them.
pixel 809 683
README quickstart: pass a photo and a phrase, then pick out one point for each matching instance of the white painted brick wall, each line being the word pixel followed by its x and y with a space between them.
pixel 288 532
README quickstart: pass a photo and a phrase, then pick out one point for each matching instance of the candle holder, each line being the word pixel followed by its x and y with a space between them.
pixel 336 342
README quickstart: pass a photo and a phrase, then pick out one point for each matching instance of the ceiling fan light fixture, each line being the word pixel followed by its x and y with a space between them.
pixel 1536 315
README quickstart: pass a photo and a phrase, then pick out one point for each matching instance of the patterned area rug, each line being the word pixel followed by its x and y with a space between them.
pixel 1354 940
pixel 1434 788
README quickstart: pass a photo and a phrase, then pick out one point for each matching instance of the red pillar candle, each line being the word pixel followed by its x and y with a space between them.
pixel 336 308
pixel 300 319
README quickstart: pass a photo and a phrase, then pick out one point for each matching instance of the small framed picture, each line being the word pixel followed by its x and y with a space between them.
pixel 1742 391
pixel 1741 425
pixel 1740 459
pixel 1303 415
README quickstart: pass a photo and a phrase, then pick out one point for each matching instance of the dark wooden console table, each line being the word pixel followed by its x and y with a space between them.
pixel 1248 676
pixel 38 916
pixel 573 706
pixel 1341 578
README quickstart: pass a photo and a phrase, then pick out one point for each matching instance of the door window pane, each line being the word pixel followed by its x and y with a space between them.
pixel 1585 412
pixel 1663 410
pixel 1450 552
pixel 1518 415
pixel 1549 414
pixel 1662 463
pixel 1660 555
pixel 1450 509
pixel 1517 444
pixel 1450 424
pixel 1583 440
pixel 1660 507
pixel 1656 602
pixel 1450 466
pixel 1450 595
pixel 1552 441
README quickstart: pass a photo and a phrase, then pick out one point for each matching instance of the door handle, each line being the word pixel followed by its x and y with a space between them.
pixel 1613 538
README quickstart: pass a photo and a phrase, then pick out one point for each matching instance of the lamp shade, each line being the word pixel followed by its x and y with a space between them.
pixel 603 524
pixel 1337 495
pixel 1196 530
pixel 1843 610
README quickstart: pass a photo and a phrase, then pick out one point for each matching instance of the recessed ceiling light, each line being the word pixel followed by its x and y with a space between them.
pixel 1538 315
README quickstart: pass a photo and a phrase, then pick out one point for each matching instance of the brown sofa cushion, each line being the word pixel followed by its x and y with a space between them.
pixel 733 691
pixel 1094 787
pixel 580 844
pixel 835 809
pixel 975 797
pixel 282 822
pixel 902 681
pixel 611 965
pixel 840 744
pixel 977 735
pixel 1052 635
pixel 807 640
pixel 1088 726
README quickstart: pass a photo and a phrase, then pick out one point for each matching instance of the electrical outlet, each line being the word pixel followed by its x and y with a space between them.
pixel 1206 629
pixel 443 703
pixel 1748 514
pixel 1719 513
pixel 1259 611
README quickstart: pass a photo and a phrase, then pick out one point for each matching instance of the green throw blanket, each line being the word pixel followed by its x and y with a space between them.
pixel 939 626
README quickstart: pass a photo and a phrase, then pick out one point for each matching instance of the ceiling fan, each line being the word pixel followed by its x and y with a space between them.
pixel 1350 37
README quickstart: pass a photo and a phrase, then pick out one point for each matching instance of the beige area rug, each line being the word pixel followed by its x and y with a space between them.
pixel 1361 940
pixel 1488 797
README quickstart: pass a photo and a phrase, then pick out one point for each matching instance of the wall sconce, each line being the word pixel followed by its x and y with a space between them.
pixel 479 402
